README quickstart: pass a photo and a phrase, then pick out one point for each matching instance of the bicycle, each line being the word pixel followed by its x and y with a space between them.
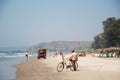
pixel 63 64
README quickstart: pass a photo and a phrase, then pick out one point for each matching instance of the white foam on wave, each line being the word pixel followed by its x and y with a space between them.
pixel 16 54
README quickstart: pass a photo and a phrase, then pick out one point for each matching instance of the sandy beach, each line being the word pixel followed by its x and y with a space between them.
pixel 90 68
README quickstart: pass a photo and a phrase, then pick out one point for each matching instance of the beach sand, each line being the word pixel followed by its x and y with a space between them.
pixel 90 68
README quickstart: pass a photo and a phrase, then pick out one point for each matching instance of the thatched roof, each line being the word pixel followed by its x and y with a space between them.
pixel 107 49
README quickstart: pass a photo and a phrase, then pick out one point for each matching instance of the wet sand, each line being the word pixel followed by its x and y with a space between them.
pixel 90 68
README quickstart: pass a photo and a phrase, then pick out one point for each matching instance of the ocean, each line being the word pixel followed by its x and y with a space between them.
pixel 7 60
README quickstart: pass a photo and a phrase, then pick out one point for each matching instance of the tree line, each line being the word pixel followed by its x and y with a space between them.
pixel 110 36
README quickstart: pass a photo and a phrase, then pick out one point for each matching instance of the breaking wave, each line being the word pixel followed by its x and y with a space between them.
pixel 17 54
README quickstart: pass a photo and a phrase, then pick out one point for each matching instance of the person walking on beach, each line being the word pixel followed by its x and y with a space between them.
pixel 55 55
pixel 26 54
pixel 73 58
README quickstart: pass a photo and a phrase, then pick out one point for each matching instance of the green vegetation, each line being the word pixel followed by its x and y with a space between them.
pixel 110 36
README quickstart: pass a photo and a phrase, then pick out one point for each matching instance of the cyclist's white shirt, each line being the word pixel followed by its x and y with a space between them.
pixel 74 54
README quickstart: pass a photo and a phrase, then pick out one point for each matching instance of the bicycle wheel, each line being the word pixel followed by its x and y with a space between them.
pixel 74 66
pixel 60 67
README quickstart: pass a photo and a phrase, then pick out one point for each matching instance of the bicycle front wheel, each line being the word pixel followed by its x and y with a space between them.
pixel 60 67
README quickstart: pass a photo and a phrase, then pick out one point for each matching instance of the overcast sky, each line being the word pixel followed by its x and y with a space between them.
pixel 29 22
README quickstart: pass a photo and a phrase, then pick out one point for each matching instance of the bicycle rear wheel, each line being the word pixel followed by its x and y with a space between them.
pixel 60 67
pixel 72 66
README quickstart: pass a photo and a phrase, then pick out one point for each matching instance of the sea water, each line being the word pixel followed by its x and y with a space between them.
pixel 7 60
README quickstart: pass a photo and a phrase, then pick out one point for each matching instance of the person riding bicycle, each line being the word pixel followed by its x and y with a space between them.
pixel 73 58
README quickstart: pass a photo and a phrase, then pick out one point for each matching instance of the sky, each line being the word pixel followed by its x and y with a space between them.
pixel 30 22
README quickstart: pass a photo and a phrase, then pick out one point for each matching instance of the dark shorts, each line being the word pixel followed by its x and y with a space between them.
pixel 26 55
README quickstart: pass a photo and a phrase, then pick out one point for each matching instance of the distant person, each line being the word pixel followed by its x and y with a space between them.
pixel 73 58
pixel 55 55
pixel 26 54
pixel 62 56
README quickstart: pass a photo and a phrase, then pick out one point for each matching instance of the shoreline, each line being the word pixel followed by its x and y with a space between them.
pixel 7 69
pixel 34 69
pixel 90 68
